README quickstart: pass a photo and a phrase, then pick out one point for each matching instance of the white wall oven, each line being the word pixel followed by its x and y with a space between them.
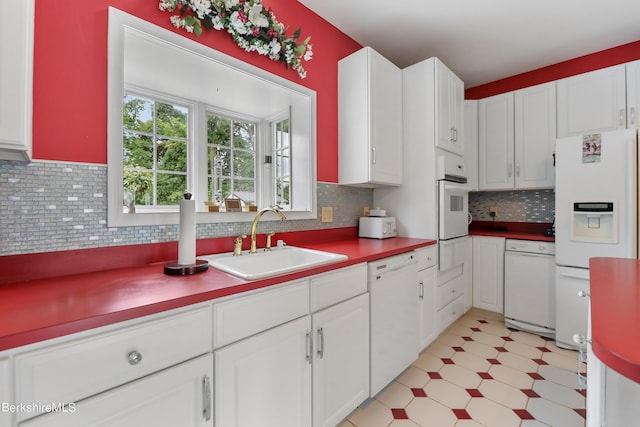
pixel 453 215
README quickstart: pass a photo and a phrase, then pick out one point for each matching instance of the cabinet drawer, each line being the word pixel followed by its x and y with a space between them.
pixel 427 257
pixel 80 368
pixel 241 317
pixel 449 314
pixel 449 291
pixel 332 288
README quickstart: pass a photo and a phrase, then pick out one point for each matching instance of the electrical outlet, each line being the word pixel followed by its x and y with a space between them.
pixel 365 211
pixel 327 214
pixel 493 211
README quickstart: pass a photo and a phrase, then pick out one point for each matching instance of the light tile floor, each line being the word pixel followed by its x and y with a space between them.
pixel 480 373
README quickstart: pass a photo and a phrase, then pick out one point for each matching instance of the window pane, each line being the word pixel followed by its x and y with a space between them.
pixel 137 151
pixel 137 113
pixel 172 120
pixel 244 164
pixel 245 189
pixel 138 187
pixel 218 130
pixel 282 192
pixel 244 135
pixel 171 155
pixel 171 188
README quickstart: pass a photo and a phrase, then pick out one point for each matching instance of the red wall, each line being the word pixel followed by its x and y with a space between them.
pixel 70 74
pixel 605 58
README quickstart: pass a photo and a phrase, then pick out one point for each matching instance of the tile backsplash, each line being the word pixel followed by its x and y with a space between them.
pixel 51 206
pixel 513 206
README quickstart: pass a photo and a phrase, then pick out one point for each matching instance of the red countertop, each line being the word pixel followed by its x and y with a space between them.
pixel 36 310
pixel 511 230
pixel 615 313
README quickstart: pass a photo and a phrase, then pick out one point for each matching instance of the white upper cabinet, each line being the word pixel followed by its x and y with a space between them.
pixel 495 142
pixel 633 94
pixel 369 120
pixel 592 102
pixel 535 135
pixel 516 139
pixel 16 76
pixel 449 110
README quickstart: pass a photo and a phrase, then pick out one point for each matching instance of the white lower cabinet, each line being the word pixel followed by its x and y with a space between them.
pixel 427 276
pixel 177 396
pixel 488 273
pixel 311 369
pixel 5 392
pixel 340 360
pixel 265 380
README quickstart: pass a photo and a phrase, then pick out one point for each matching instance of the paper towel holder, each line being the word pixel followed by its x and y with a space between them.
pixel 174 268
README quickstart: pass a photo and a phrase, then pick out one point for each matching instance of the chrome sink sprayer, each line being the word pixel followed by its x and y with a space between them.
pixel 255 225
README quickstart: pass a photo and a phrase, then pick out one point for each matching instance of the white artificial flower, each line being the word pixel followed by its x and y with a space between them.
pixel 168 5
pixel 201 7
pixel 238 26
pixel 230 3
pixel 177 21
pixel 255 16
pixel 275 47
pixel 217 23
pixel 308 54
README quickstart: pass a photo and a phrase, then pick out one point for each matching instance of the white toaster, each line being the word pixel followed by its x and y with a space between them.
pixel 377 227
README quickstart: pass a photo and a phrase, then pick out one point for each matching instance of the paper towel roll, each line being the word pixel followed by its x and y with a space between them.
pixel 187 238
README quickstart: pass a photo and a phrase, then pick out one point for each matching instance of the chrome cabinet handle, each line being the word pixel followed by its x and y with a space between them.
pixel 309 348
pixel 134 358
pixel 421 295
pixel 622 117
pixel 206 398
pixel 373 149
pixel 320 343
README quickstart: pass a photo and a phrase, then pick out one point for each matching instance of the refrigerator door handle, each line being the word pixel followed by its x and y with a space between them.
pixel 574 276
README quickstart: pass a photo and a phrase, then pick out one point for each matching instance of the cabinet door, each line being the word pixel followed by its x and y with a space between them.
pixel 16 76
pixel 341 360
pixel 592 102
pixel 449 110
pixel 633 94
pixel 265 380
pixel 385 121
pixel 488 273
pixel 427 306
pixel 495 142
pixel 178 396
pixel 535 135
pixel 370 120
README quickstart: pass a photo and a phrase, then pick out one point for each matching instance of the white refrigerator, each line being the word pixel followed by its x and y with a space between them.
pixel 596 216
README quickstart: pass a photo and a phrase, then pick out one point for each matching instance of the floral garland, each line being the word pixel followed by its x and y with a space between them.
pixel 251 26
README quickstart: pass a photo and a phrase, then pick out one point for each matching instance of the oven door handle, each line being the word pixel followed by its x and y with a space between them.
pixel 450 186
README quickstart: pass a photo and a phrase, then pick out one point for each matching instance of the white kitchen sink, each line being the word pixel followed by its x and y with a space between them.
pixel 278 261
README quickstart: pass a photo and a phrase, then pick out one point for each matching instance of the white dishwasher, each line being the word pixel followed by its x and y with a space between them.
pixel 393 291
pixel 529 286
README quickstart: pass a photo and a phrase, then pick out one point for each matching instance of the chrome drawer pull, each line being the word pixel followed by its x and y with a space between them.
pixel 134 358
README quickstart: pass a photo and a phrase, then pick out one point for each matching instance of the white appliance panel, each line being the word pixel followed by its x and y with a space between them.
pixel 572 305
pixel 529 290
pixel 590 173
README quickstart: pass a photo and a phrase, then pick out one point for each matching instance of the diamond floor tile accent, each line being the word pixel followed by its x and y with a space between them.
pixel 480 373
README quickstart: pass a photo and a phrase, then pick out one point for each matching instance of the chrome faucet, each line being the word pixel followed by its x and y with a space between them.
pixel 255 225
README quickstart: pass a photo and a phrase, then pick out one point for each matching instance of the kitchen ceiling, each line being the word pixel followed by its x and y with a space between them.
pixel 484 41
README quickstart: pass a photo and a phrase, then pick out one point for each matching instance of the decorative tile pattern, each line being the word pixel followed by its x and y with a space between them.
pixel 461 381
pixel 53 206
pixel 513 206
